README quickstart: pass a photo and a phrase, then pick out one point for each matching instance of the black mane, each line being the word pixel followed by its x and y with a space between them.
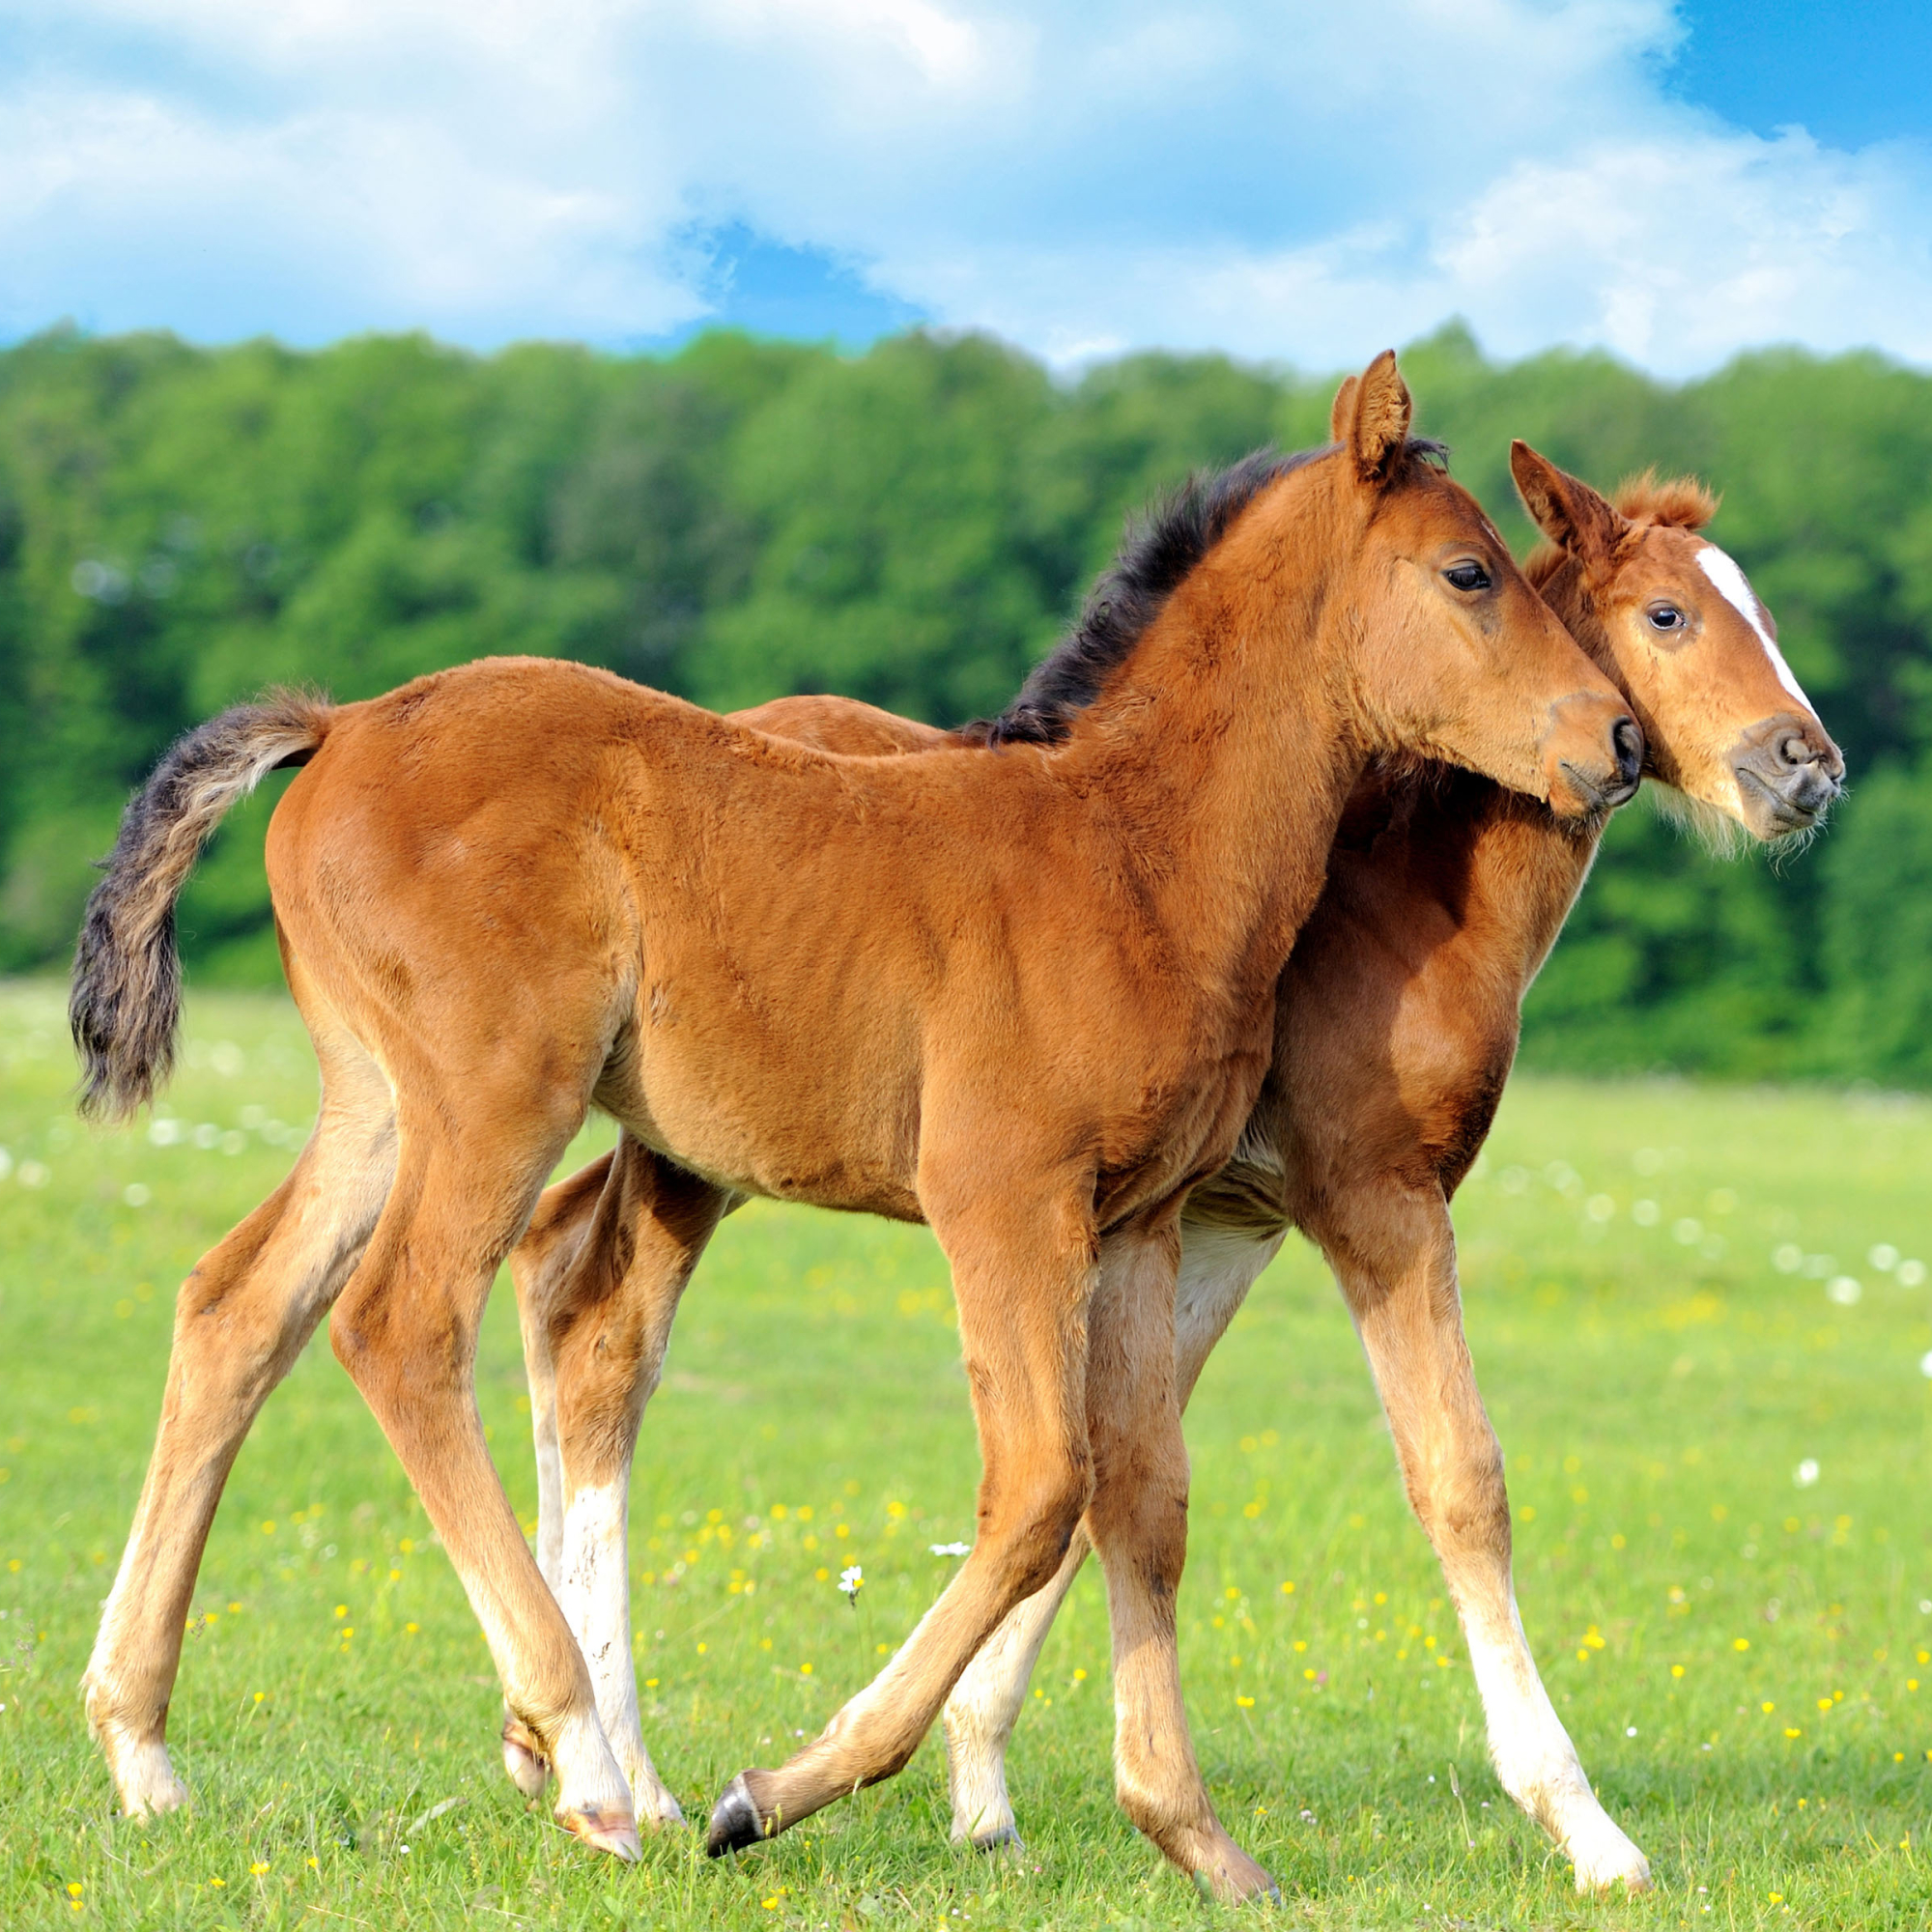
pixel 1162 547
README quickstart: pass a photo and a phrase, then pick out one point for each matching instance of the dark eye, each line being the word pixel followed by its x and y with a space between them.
pixel 1468 576
pixel 1666 617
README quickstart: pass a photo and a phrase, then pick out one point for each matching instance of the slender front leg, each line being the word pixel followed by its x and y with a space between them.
pixel 1218 1264
pixel 1023 1270
pixel 1138 1522
pixel 1394 1253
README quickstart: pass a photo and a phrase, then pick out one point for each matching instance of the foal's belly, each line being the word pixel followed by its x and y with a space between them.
pixel 766 1127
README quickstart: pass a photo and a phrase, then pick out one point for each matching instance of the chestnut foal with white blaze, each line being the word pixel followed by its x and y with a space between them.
pixel 1396 1026
pixel 1026 996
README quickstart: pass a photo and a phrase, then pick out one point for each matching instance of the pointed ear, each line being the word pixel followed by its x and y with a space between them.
pixel 1342 417
pixel 1371 419
pixel 1566 509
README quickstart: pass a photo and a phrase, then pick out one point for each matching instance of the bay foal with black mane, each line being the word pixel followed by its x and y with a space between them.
pixel 1394 1027
pixel 1024 994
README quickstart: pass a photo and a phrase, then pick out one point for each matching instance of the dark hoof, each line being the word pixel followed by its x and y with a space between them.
pixel 735 1822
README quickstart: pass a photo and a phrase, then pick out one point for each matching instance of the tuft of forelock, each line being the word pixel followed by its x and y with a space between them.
pixel 1677 502
pixel 1162 548
pixel 125 1003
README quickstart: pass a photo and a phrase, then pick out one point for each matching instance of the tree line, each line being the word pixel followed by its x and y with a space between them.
pixel 181 527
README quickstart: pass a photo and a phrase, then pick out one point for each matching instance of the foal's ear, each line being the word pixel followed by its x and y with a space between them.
pixel 1342 417
pixel 1566 509
pixel 1371 419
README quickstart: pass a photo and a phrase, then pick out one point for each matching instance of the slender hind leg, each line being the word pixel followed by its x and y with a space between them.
pixel 1218 1266
pixel 241 1320
pixel 539 1269
pixel 406 1330
pixel 985 1705
pixel 608 1332
pixel 1394 1252
pixel 1138 1521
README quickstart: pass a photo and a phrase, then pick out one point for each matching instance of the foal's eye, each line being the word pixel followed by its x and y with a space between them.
pixel 1666 617
pixel 1468 576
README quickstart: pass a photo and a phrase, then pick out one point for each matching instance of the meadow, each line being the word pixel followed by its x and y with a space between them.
pixel 1703 1323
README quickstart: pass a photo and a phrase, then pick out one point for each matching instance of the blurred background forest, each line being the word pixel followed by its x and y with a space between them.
pixel 179 527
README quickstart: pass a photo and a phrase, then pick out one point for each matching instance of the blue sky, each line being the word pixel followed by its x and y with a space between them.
pixel 1291 181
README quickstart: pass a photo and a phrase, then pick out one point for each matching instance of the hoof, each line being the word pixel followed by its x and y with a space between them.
pixel 529 1768
pixel 145 1781
pixel 1605 1858
pixel 1598 1881
pixel 997 1840
pixel 604 1832
pixel 736 1821
pixel 155 1802
pixel 657 1809
pixel 1237 1879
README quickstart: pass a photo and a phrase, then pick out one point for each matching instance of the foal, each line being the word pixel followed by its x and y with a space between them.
pixel 1396 1026
pixel 1027 997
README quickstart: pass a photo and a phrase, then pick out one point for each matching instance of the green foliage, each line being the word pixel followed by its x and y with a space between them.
pixel 178 528
pixel 1659 1351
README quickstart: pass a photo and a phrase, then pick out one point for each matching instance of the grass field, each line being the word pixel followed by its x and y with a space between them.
pixel 1718 1459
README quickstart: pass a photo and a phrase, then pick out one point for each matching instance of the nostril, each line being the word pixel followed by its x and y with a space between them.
pixel 1794 751
pixel 1628 743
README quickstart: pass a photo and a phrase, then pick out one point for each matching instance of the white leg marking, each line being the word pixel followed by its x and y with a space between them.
pixel 1734 589
pixel 550 1491
pixel 593 1589
pixel 1536 1761
pixel 589 1782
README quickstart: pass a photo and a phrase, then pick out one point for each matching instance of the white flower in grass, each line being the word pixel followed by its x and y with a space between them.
pixel 1845 1290
pixel 1884 1256
pixel 1925 1365
pixel 1910 1275
pixel 951 1549
pixel 1806 1473
pixel 851 1580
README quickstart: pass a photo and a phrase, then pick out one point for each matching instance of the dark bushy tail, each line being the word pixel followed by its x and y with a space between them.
pixel 125 1001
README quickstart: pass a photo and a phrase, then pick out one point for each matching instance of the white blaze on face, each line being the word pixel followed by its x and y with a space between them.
pixel 1734 589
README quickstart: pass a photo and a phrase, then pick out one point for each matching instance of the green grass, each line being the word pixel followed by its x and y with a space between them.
pixel 1656 1396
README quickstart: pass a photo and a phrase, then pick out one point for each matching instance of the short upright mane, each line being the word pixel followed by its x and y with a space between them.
pixel 1162 546
pixel 1646 500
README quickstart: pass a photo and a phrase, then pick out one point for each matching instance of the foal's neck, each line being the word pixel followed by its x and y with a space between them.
pixel 1227 742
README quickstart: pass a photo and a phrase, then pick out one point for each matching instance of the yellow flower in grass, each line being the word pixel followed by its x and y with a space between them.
pixel 258 1870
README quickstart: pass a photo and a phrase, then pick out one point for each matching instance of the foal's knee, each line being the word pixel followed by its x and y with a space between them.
pixel 1462 1497
pixel 1032 1532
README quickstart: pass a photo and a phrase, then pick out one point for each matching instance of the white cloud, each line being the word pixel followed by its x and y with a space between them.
pixel 1288 179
